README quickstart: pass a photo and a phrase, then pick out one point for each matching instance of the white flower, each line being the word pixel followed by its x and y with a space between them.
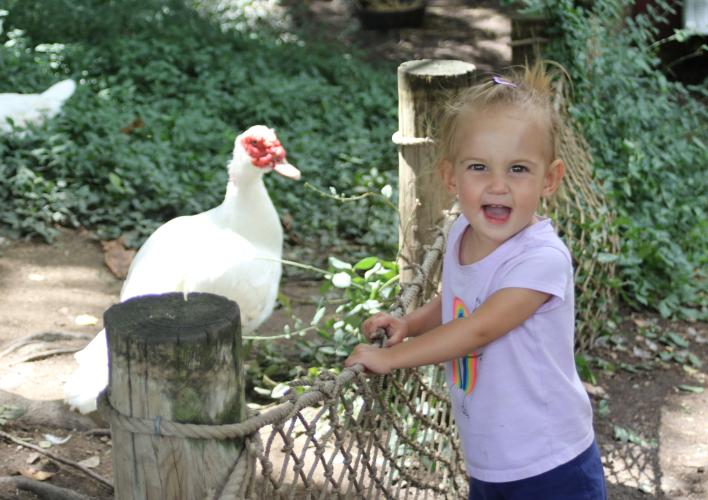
pixel 342 280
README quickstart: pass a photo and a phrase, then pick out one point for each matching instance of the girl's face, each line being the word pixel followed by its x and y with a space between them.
pixel 503 167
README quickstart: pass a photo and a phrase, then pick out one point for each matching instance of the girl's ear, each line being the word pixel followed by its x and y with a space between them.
pixel 552 179
pixel 447 172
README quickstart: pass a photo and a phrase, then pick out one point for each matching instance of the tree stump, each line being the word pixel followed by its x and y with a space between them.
pixel 180 361
pixel 423 88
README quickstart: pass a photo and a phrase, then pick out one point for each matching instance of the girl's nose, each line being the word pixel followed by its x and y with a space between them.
pixel 498 185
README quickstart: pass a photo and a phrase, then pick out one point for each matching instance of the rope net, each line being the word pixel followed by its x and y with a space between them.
pixel 364 436
pixel 581 215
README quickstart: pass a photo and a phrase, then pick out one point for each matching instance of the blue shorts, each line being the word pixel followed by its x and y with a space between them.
pixel 580 479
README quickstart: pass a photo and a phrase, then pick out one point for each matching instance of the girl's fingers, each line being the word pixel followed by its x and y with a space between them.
pixel 375 322
pixel 396 336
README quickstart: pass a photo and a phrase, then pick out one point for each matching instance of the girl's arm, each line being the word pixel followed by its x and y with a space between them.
pixel 498 315
pixel 425 318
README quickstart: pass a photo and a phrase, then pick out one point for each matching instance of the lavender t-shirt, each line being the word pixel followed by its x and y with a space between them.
pixel 519 405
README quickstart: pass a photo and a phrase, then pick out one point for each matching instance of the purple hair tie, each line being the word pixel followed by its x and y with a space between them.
pixel 499 80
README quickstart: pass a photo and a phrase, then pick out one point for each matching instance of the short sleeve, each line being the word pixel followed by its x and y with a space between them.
pixel 545 269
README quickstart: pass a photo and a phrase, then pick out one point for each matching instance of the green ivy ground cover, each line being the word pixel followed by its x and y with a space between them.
pixel 163 92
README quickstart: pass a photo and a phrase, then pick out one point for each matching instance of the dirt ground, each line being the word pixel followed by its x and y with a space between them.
pixel 653 434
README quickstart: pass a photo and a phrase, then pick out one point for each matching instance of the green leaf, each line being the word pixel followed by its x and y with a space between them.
pixel 116 181
pixel 666 355
pixel 339 264
pixel 691 388
pixel 279 391
pixel 584 370
pixel 366 263
pixel 694 360
pixel 605 257
pixel 603 408
pixel 262 391
pixel 676 339
pixel 628 435
pixel 318 316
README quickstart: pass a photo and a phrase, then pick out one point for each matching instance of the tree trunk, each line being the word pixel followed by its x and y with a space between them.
pixel 180 361
pixel 423 88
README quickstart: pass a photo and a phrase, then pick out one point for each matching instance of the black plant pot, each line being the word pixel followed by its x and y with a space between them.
pixel 403 17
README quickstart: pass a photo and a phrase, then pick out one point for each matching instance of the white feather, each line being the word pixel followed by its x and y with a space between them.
pixel 25 109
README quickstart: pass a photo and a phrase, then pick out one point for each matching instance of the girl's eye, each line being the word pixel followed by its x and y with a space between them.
pixel 518 169
pixel 477 167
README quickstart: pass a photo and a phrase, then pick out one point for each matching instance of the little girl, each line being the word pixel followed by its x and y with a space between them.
pixel 504 323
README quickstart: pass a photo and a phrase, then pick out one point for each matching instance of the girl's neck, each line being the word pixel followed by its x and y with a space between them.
pixel 474 248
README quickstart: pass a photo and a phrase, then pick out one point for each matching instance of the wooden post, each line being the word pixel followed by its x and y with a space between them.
pixel 180 361
pixel 423 87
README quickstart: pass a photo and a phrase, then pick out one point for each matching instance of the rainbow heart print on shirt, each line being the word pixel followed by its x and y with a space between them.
pixel 464 370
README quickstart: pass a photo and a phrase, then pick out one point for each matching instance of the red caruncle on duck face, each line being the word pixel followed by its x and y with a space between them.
pixel 264 151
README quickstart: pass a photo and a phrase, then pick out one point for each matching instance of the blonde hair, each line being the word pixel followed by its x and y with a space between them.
pixel 527 87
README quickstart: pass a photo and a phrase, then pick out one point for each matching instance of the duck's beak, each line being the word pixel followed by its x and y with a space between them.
pixel 287 170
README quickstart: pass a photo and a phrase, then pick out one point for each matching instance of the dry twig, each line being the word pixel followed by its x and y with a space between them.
pixel 42 490
pixel 57 458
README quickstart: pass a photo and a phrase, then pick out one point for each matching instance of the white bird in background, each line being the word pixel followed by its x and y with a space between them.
pixel 232 250
pixel 26 109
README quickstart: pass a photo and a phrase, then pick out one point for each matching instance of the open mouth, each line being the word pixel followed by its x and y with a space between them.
pixel 497 214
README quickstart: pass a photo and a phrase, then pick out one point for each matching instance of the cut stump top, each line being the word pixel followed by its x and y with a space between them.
pixel 170 318
pixel 435 67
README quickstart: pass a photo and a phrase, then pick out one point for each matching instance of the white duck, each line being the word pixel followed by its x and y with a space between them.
pixel 25 109
pixel 232 250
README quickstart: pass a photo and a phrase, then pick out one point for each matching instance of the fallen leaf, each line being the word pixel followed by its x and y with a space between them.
pixel 32 458
pixel 651 345
pixel 117 257
pixel 10 412
pixel 640 322
pixel 691 388
pixel 37 474
pixel 86 320
pixel 137 123
pixel 595 390
pixel 91 462
pixel 56 439
pixel 641 353
pixel 45 444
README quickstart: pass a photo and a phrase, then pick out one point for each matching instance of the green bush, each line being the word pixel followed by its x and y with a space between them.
pixel 163 90
pixel 648 139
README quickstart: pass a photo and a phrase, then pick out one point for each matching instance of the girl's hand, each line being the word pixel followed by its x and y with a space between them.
pixel 396 328
pixel 374 359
